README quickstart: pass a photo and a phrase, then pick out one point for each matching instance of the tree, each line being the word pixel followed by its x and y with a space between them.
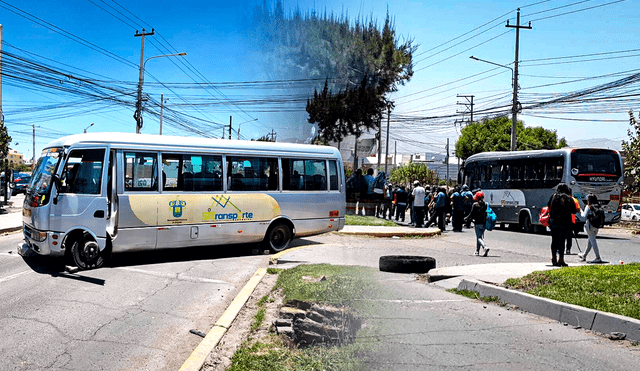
pixel 631 150
pixel 406 174
pixel 494 134
pixel 5 139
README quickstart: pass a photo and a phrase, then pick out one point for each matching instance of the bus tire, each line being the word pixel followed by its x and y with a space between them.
pixel 525 223
pixel 406 263
pixel 86 253
pixel 278 237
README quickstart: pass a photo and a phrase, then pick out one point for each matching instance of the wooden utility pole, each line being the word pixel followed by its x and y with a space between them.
pixel 138 114
pixel 514 109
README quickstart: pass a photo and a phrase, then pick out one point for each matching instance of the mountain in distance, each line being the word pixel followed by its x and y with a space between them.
pixel 598 143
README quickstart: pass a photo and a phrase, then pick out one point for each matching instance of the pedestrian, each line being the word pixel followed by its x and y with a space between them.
pixel 570 232
pixel 356 188
pixel 368 201
pixel 401 203
pixel 592 231
pixel 386 202
pixel 561 206
pixel 418 203
pixel 457 206
pixel 478 215
pixel 468 201
pixel 439 210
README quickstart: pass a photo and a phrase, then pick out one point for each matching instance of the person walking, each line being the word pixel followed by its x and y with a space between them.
pixel 478 215
pixel 418 203
pixel 561 206
pixel 592 231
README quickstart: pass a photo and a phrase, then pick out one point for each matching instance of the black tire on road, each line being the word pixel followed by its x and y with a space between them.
pixel 86 253
pixel 278 237
pixel 525 223
pixel 406 263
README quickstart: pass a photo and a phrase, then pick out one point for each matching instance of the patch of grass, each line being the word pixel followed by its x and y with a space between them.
pixel 475 295
pixel 368 220
pixel 274 270
pixel 608 288
pixel 258 318
pixel 265 299
pixel 343 285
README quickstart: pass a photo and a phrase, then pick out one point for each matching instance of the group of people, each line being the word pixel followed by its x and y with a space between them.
pixel 433 205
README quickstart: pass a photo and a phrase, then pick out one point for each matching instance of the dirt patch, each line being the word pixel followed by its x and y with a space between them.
pixel 220 357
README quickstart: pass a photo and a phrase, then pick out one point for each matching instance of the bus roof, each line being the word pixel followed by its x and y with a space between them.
pixel 528 154
pixel 177 143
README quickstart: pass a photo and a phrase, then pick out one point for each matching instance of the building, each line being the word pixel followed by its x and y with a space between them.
pixel 15 157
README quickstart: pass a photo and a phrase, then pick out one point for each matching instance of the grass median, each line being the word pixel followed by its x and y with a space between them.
pixel 368 220
pixel 607 288
pixel 342 286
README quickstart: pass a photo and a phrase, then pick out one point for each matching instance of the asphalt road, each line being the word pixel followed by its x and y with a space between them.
pixel 133 315
pixel 136 313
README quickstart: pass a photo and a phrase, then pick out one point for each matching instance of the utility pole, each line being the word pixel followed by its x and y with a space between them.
pixel 138 114
pixel 514 109
pixel 468 105
pixel 161 110
pixel 33 160
pixel 386 154
pixel 379 143
pixel 230 123
pixel 447 159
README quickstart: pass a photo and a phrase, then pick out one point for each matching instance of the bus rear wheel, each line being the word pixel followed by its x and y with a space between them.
pixel 86 253
pixel 278 237
pixel 525 223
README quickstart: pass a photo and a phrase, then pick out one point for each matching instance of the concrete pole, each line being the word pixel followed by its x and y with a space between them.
pixel 386 155
pixel 161 110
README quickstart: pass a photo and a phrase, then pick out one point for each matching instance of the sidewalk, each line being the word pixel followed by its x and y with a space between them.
pixel 11 215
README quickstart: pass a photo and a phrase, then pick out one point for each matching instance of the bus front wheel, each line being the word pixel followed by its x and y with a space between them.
pixel 86 253
pixel 278 237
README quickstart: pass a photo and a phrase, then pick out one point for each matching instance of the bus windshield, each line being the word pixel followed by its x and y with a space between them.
pixel 595 165
pixel 44 169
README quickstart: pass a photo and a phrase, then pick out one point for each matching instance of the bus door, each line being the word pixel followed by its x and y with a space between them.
pixel 81 201
pixel 112 196
pixel 136 211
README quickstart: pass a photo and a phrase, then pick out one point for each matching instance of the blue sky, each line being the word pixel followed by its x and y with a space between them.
pixel 573 46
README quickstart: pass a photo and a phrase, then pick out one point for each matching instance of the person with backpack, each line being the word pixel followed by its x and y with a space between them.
pixel 478 214
pixel 561 206
pixel 594 214
pixel 570 233
pixel 457 213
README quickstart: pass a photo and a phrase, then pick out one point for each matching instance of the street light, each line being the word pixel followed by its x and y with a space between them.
pixel 138 114
pixel 244 123
pixel 514 107
pixel 85 129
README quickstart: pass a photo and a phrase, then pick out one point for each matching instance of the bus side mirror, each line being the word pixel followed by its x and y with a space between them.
pixel 58 185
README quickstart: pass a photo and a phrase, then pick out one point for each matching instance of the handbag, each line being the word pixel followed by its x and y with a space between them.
pixel 544 216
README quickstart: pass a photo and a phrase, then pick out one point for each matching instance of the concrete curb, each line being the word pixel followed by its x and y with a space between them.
pixel 199 355
pixel 390 233
pixel 574 315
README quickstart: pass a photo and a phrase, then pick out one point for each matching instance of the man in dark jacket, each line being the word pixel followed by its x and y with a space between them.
pixel 561 207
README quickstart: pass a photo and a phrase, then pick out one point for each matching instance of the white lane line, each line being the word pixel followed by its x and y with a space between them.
pixel 175 276
pixel 9 278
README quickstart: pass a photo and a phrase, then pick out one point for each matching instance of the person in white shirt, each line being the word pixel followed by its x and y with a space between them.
pixel 592 231
pixel 418 203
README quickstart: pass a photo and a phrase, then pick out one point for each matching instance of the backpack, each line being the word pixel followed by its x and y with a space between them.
pixel 596 216
pixel 544 216
pixel 490 223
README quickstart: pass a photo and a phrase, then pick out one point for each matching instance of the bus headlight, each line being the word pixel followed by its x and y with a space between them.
pixel 39 236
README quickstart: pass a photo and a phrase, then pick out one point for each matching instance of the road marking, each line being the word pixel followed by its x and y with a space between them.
pixel 9 278
pixel 199 355
pixel 177 276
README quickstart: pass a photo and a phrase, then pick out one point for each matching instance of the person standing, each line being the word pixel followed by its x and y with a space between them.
pixel 561 206
pixel 369 205
pixel 592 231
pixel 457 213
pixel 401 203
pixel 478 215
pixel 570 232
pixel 418 203
pixel 468 201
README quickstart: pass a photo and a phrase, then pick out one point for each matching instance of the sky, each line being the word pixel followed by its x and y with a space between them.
pixel 583 52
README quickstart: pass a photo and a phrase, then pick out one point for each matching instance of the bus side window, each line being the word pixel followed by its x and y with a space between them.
pixel 83 173
pixel 141 171
pixel 333 176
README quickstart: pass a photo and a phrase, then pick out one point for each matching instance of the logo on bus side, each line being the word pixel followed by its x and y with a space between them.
pixel 223 202
pixel 177 206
